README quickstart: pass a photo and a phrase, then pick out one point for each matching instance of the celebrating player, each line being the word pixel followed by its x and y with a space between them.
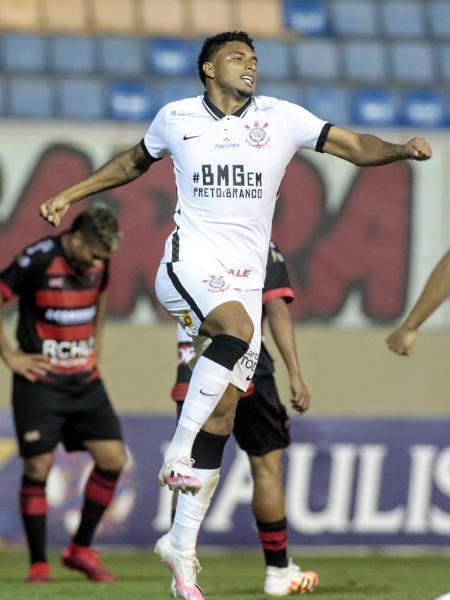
pixel 57 391
pixel 230 150
pixel 261 428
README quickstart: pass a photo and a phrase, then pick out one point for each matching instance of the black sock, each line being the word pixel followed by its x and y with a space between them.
pixel 273 537
pixel 33 508
pixel 98 494
pixel 207 450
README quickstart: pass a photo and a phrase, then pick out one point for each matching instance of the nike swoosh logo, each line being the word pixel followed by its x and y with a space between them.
pixel 206 393
pixel 249 377
pixel 191 137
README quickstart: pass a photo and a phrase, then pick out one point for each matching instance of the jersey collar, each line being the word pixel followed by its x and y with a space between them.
pixel 217 114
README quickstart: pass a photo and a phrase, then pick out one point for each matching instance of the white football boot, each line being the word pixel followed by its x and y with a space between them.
pixel 185 568
pixel 289 580
pixel 178 474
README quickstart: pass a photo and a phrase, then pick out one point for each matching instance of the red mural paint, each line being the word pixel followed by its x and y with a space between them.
pixel 364 246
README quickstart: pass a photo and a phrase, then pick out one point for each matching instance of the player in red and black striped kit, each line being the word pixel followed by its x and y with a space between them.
pixel 261 428
pixel 58 395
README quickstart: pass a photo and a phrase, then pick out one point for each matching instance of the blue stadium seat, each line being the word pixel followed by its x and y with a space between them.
pixel 172 57
pixel 2 97
pixel 444 61
pixel 376 108
pixel 73 55
pixel 285 90
pixel 413 62
pixel 122 56
pixel 439 12
pixel 274 60
pixel 316 59
pixel 307 17
pixel 165 92
pixel 31 97
pixel 24 53
pixel 423 108
pixel 330 103
pixel 354 18
pixel 403 18
pixel 365 61
pixel 130 102
pixel 81 98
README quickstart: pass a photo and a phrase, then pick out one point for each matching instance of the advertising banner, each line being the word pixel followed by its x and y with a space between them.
pixel 349 482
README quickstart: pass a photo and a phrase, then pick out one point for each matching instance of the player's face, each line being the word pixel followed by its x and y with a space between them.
pixel 234 68
pixel 88 253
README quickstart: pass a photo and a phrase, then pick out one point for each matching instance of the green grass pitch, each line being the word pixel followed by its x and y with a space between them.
pixel 234 575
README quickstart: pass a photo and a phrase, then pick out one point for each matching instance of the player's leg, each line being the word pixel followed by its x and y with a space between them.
pixel 33 509
pixel 223 318
pixel 262 430
pixel 38 430
pixel 177 548
pixel 109 457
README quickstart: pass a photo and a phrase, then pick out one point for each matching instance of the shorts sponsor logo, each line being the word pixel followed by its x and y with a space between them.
pixel 32 436
pixel 216 284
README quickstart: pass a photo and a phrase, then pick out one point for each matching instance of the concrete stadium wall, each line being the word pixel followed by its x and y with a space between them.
pixel 349 372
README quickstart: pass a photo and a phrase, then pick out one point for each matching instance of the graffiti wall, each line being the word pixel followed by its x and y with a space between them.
pixel 358 242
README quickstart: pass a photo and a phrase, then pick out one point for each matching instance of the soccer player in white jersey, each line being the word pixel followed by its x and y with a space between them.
pixel 229 149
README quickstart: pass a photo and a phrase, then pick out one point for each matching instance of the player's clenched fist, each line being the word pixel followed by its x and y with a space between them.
pixel 402 340
pixel 54 209
pixel 418 149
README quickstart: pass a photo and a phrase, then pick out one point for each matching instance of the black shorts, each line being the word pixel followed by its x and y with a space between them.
pixel 262 423
pixel 45 415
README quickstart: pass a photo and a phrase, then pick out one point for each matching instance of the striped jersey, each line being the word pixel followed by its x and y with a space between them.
pixel 228 170
pixel 57 309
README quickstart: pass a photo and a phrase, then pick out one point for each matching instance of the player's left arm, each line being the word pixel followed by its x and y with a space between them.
pixel 365 149
pixel 102 304
pixel 280 323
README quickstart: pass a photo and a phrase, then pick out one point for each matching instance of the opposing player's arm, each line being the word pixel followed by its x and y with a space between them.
pixel 281 327
pixel 102 304
pixel 121 169
pixel 436 290
pixel 365 149
pixel 28 365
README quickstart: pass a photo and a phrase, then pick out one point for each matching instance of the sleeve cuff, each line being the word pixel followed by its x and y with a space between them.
pixel 286 293
pixel 323 137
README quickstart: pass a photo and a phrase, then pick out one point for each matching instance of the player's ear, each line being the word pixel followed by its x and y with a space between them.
pixel 208 70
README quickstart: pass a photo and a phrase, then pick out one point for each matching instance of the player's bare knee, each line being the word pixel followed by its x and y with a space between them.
pixel 266 467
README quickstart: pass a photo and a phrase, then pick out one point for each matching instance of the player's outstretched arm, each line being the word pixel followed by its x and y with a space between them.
pixel 365 149
pixel 121 169
pixel 436 290
pixel 280 323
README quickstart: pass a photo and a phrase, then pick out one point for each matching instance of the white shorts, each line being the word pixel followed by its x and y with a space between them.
pixel 190 290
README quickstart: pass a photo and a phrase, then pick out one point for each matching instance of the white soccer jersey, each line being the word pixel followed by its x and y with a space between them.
pixel 228 170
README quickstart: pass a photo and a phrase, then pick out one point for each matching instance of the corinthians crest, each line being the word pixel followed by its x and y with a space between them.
pixel 257 135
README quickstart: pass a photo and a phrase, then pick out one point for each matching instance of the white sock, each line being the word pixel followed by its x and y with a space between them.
pixel 191 511
pixel 208 384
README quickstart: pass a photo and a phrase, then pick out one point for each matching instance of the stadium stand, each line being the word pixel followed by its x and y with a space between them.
pixel 24 53
pixel 376 108
pixel 364 54
pixel 80 98
pixel 73 55
pixel 31 97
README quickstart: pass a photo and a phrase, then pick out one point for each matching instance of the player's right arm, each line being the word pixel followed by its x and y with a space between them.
pixel 121 169
pixel 436 290
pixel 29 366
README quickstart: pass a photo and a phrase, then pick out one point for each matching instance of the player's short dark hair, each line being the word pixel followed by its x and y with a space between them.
pixel 212 44
pixel 98 223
